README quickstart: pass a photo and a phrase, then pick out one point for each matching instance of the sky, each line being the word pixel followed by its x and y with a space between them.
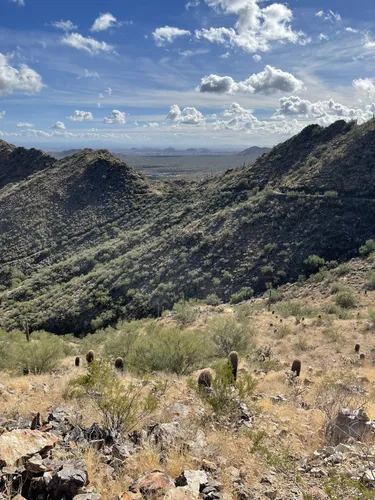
pixel 220 74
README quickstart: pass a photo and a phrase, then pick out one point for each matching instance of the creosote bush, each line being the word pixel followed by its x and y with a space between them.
pixel 185 312
pixel 345 299
pixel 120 406
pixel 229 335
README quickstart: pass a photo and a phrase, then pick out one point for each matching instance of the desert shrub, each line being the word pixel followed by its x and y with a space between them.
pixel 367 248
pixel 184 312
pixel 246 293
pixel 371 316
pixel 273 295
pixel 119 343
pixel 337 287
pixel 333 335
pixel 340 312
pixel 223 397
pixel 342 269
pixel 283 331
pixel 331 194
pixel 169 350
pixel 120 407
pixel 42 354
pixel 370 283
pixel 228 335
pixel 212 300
pixel 302 345
pixel 313 263
pixel 293 308
pixel 345 299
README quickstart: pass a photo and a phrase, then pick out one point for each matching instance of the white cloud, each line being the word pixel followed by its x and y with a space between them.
pixel 104 22
pixel 256 27
pixel 58 126
pixel 365 86
pixel 19 2
pixel 2 114
pixel 322 112
pixel 64 25
pixel 89 74
pixel 329 15
pixel 81 116
pixel 188 116
pixel 116 117
pixel 191 4
pixel 108 91
pixel 152 125
pixel 23 79
pixel 225 56
pixel 351 30
pixel 269 81
pixel 25 125
pixel 257 57
pixel 88 44
pixel 367 42
pixel 167 34
pixel 240 119
pixel 322 37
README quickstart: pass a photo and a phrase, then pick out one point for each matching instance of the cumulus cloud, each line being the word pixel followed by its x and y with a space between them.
pixel 188 116
pixel 167 34
pixel 192 4
pixel 365 86
pixel 152 125
pixel 21 3
pixel 104 22
pixel 64 25
pixel 240 119
pixel 367 42
pixel 58 126
pixel 267 82
pixel 256 27
pixel 257 57
pixel 25 125
pixel 88 44
pixel 351 30
pixel 81 116
pixel 23 79
pixel 116 117
pixel 322 112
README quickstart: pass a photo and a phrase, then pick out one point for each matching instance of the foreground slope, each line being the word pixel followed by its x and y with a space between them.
pixel 87 240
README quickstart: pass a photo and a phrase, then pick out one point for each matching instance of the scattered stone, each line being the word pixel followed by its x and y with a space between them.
pixel 350 424
pixel 152 483
pixel 67 482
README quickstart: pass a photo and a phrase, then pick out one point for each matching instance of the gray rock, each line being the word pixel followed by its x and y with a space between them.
pixel 67 482
pixel 164 436
pixel 87 496
pixel 196 480
pixel 348 425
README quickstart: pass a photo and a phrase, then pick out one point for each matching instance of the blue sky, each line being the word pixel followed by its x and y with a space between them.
pixel 199 73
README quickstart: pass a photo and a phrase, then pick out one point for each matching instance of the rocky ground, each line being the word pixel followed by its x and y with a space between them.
pixel 310 437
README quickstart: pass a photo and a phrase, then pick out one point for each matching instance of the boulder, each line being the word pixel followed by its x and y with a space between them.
pixel 17 446
pixel 68 482
pixel 164 436
pixel 152 484
pixel 195 480
pixel 349 425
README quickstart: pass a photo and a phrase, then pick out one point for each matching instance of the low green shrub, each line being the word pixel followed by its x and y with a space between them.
pixel 345 299
pixel 229 335
pixel 246 293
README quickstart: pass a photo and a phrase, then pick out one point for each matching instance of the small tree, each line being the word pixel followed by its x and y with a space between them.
pixel 121 407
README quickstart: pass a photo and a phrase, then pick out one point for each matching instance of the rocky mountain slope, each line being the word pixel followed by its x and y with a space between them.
pixel 86 240
pixel 254 151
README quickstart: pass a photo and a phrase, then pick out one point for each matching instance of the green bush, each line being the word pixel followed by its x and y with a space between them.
pixel 224 397
pixel 370 284
pixel 228 335
pixel 293 308
pixel 246 293
pixel 120 407
pixel 313 263
pixel 184 312
pixel 170 350
pixel 345 299
pixel 367 248
pixel 338 287
pixel 212 300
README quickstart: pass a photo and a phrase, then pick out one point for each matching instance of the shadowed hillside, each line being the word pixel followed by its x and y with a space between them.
pixel 86 240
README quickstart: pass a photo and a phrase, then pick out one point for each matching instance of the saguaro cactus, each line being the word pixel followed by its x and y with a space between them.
pixel 204 379
pixel 296 367
pixel 233 359
pixel 119 364
pixel 90 356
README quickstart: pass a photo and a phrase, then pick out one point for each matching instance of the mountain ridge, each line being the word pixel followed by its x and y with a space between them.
pixel 87 240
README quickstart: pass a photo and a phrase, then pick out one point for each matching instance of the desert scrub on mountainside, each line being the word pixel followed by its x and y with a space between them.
pixel 230 335
pixel 121 405
pixel 345 299
pixel 185 312
pixel 42 354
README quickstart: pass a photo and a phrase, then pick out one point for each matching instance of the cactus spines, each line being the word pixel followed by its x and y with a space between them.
pixel 77 361
pixel 119 364
pixel 296 367
pixel 205 379
pixel 90 356
pixel 357 348
pixel 233 359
